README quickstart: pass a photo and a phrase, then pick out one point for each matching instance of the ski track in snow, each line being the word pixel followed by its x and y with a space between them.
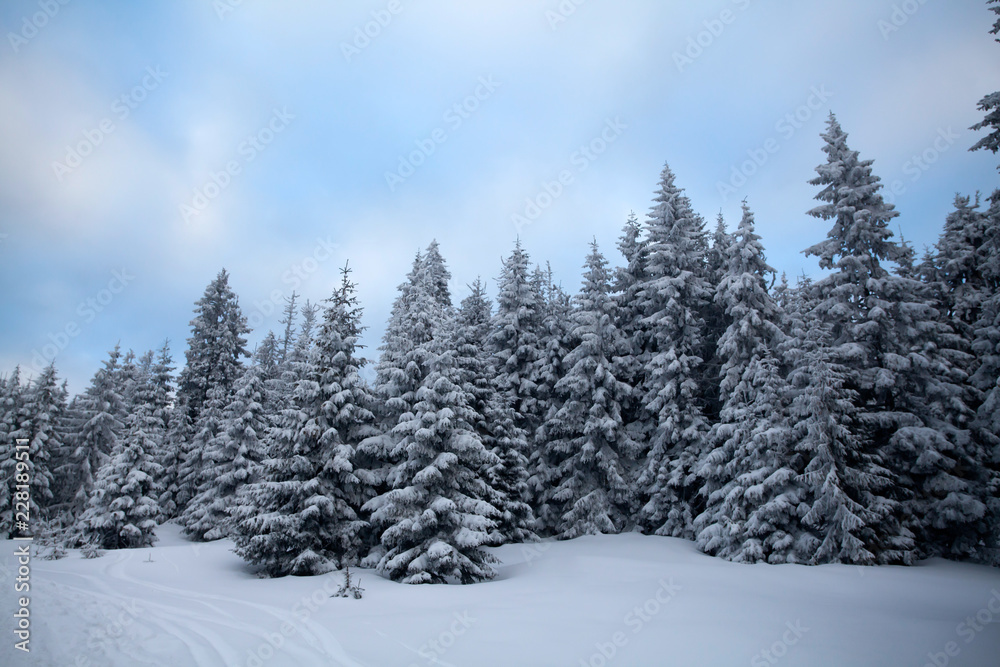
pixel 176 614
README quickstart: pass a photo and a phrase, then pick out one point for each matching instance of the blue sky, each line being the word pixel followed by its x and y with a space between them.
pixel 144 146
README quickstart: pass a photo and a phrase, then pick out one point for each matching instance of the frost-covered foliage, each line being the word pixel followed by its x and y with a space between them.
pixel 589 452
pixel 216 347
pixel 436 518
pixel 749 480
pixel 302 516
pixel 231 460
pixel 671 300
pixel 123 510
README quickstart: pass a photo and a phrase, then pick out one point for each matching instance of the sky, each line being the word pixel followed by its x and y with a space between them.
pixel 146 146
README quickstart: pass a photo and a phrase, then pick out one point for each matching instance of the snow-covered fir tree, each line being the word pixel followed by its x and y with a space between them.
pixel 959 264
pixel 672 299
pixel 495 420
pixel 434 521
pixel 750 489
pixel 216 346
pixel 587 489
pixel 100 415
pixel 122 511
pixel 516 342
pixel 554 344
pixel 889 336
pixel 303 517
pixel 44 410
pixel 716 264
pixel 180 432
pixel 416 315
pixel 848 512
pixel 627 284
pixel 231 460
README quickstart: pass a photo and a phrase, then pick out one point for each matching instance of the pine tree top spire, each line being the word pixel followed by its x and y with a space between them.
pixel 861 217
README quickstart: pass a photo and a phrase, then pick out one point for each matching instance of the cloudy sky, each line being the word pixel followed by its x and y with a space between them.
pixel 143 148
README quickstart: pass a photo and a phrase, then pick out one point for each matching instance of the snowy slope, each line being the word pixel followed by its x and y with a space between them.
pixel 642 600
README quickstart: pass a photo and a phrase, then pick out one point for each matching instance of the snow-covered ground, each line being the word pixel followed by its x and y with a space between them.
pixel 637 600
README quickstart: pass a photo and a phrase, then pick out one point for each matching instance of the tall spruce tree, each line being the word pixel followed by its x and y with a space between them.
pixel 434 520
pixel 516 338
pixel 672 299
pixel 589 449
pixel 303 517
pixel 889 337
pixel 216 346
pixel 750 490
pixel 495 422
pixel 123 510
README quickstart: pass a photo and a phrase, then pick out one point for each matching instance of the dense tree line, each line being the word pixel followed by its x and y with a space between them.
pixel 685 392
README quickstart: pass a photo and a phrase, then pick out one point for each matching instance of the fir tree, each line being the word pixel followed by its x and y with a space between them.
pixel 587 491
pixel 672 299
pixel 849 516
pixel 434 519
pixel 180 432
pixel 303 517
pixel 232 460
pixel 958 268
pixel 750 490
pixel 890 339
pixel 122 512
pixel 547 372
pixel 417 312
pixel 516 344
pixel 216 346
pixel 494 419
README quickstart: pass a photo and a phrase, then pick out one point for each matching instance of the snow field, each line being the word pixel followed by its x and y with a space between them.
pixel 594 601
